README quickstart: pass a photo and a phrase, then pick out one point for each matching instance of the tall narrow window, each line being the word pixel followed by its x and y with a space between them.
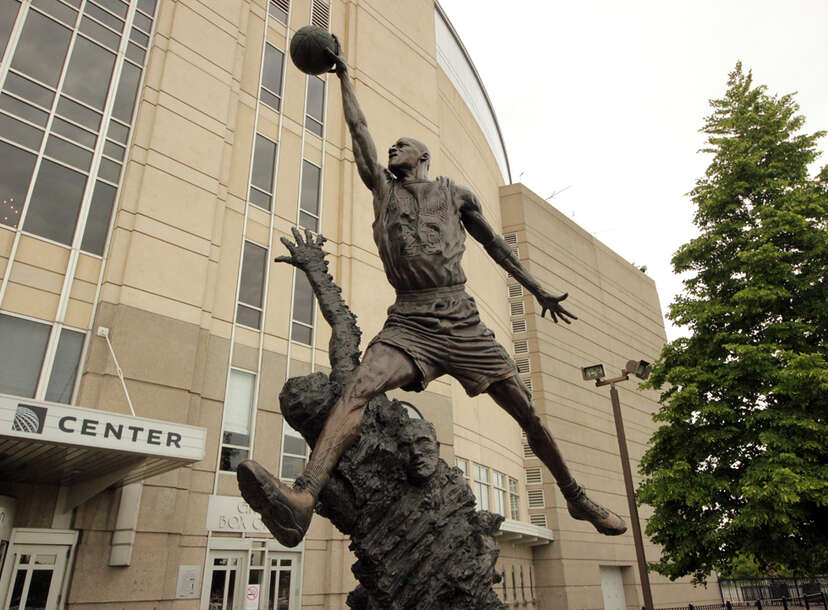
pixel 278 9
pixel 303 303
pixel 499 493
pixel 238 413
pixel 263 172
pixel 271 90
pixel 480 486
pixel 251 287
pixel 309 197
pixel 294 453
pixel 65 366
pixel 22 347
pixel 514 499
pixel 8 15
pixel 315 110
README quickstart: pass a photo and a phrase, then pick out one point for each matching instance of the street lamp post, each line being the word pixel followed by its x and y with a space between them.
pixel 640 369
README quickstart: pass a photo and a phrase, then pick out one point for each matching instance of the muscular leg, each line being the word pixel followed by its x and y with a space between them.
pixel 287 511
pixel 513 396
pixel 383 368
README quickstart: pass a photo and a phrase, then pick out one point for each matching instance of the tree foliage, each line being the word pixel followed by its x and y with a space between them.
pixel 739 466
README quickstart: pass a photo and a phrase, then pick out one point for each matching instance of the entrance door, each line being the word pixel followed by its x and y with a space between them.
pixel 224 581
pixel 280 583
pixel 36 576
pixel 612 586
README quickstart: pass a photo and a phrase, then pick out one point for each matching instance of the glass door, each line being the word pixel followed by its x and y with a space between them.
pixel 36 576
pixel 280 580
pixel 224 580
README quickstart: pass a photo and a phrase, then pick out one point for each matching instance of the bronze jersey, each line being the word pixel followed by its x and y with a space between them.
pixel 419 233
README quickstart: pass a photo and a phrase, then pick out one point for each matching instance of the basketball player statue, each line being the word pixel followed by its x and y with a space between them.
pixel 433 328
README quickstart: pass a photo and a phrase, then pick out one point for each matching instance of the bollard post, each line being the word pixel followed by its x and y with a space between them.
pixel 785 602
pixel 758 604
pixel 807 605
pixel 728 605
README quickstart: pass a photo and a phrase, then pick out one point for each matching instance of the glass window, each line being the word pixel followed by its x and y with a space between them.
pixel 263 172
pixel 90 70
pixel 53 209
pixel 15 174
pixel 60 149
pixel 65 367
pixel 12 105
pixel 96 31
pixel 29 90
pixel 514 499
pixel 42 48
pixel 271 91
pixel 22 347
pixel 463 465
pixel 127 91
pixel 97 223
pixel 20 132
pixel 278 10
pixel 309 196
pixel 238 413
pixel 499 493
pixel 79 113
pixel 58 10
pixel 480 487
pixel 251 287
pixel 294 451
pixel 8 15
pixel 314 113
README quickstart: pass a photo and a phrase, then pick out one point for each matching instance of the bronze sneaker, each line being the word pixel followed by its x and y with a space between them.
pixel 285 511
pixel 584 509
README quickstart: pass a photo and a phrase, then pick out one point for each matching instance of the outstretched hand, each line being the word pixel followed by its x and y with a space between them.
pixel 305 251
pixel 552 304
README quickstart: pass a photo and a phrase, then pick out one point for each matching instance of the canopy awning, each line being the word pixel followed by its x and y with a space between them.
pixel 88 450
pixel 525 534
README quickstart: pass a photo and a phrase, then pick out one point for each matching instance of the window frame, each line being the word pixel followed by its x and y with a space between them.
pixel 259 309
pixel 315 121
pixel 248 449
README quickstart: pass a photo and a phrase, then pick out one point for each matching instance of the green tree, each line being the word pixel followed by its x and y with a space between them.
pixel 740 462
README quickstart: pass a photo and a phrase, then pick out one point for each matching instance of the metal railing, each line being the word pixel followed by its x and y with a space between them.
pixel 814 601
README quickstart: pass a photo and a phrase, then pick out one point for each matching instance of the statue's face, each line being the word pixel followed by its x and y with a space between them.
pixel 423 452
pixel 404 154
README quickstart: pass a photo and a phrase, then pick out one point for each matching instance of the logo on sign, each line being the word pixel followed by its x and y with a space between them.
pixel 252 592
pixel 29 418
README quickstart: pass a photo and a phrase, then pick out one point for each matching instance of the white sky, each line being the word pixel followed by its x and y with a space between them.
pixel 605 99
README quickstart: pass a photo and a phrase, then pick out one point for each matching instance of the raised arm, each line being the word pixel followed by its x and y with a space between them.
pixel 479 228
pixel 365 151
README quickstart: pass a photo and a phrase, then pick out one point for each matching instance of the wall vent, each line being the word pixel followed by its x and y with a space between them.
pixel 515 290
pixel 517 308
pixel 510 238
pixel 521 347
pixel 535 498
pixel 523 365
pixel 518 326
pixel 320 14
pixel 528 383
pixel 538 519
pixel 533 475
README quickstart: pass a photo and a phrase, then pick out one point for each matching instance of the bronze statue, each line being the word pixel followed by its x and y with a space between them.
pixel 433 328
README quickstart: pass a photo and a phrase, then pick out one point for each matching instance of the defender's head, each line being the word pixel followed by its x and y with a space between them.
pixel 420 441
pixel 409 156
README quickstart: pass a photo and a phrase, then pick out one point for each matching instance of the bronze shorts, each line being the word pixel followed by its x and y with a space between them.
pixel 441 331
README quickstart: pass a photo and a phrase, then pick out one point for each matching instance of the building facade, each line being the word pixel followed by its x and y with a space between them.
pixel 152 153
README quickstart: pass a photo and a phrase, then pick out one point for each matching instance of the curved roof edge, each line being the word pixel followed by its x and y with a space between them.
pixel 470 64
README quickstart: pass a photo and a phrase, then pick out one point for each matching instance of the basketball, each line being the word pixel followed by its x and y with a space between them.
pixel 308 49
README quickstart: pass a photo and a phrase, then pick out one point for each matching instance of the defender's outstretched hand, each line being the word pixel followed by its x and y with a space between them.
pixel 306 251
pixel 552 304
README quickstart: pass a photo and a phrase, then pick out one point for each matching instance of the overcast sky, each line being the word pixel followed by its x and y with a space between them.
pixel 601 101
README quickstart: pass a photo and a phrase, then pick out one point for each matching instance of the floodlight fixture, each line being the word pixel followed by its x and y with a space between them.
pixel 596 371
pixel 640 369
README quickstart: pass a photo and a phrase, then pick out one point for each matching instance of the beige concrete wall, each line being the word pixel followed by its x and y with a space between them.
pixel 619 319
